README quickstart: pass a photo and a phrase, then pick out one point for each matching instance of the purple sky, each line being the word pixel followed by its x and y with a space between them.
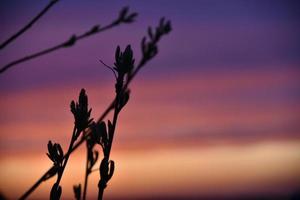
pixel 214 46
pixel 227 75
pixel 208 36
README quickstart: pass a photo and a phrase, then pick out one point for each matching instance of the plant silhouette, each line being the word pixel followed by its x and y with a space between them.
pixel 55 153
pixel 100 132
pixel 86 130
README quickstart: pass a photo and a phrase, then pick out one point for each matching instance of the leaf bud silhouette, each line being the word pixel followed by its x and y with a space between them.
pixel 94 29
pixel 77 191
pixel 100 135
pixel 123 13
pixel 124 17
pixel 55 153
pixel 71 41
pixel 55 192
pixel 110 129
pixel 149 48
pixel 81 112
pixel 106 171
pixel 124 61
pixel 103 130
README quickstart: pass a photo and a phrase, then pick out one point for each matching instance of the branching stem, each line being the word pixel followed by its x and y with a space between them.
pixel 67 155
pixel 82 139
pixel 87 173
pixel 112 105
pixel 114 123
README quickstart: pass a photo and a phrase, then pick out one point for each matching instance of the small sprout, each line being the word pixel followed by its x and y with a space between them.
pixel 117 55
pixel 94 29
pixel 168 27
pixel 123 12
pixel 55 153
pixel 71 41
pixel 77 191
pixel 149 48
pixel 124 64
pixel 124 61
pixel 130 18
pixel 100 135
pixel 103 132
pixel 143 46
pixel 81 112
pixel 110 128
pixel 125 17
pixel 55 192
pixel 104 168
pixel 106 171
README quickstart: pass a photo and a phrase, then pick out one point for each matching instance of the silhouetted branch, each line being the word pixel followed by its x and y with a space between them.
pixel 45 177
pixel 124 65
pixel 149 50
pixel 124 17
pixel 109 67
pixel 91 159
pixel 82 119
pixel 30 24
pixel 86 176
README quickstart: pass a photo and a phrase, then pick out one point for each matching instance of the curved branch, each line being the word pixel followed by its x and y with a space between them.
pixel 29 25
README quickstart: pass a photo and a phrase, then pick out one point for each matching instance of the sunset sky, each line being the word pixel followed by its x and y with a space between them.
pixel 216 113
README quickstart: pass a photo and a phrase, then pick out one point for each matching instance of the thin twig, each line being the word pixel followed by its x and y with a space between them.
pixel 43 178
pixel 67 155
pixel 101 187
pixel 29 25
pixel 87 173
pixel 109 67
pixel 71 41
